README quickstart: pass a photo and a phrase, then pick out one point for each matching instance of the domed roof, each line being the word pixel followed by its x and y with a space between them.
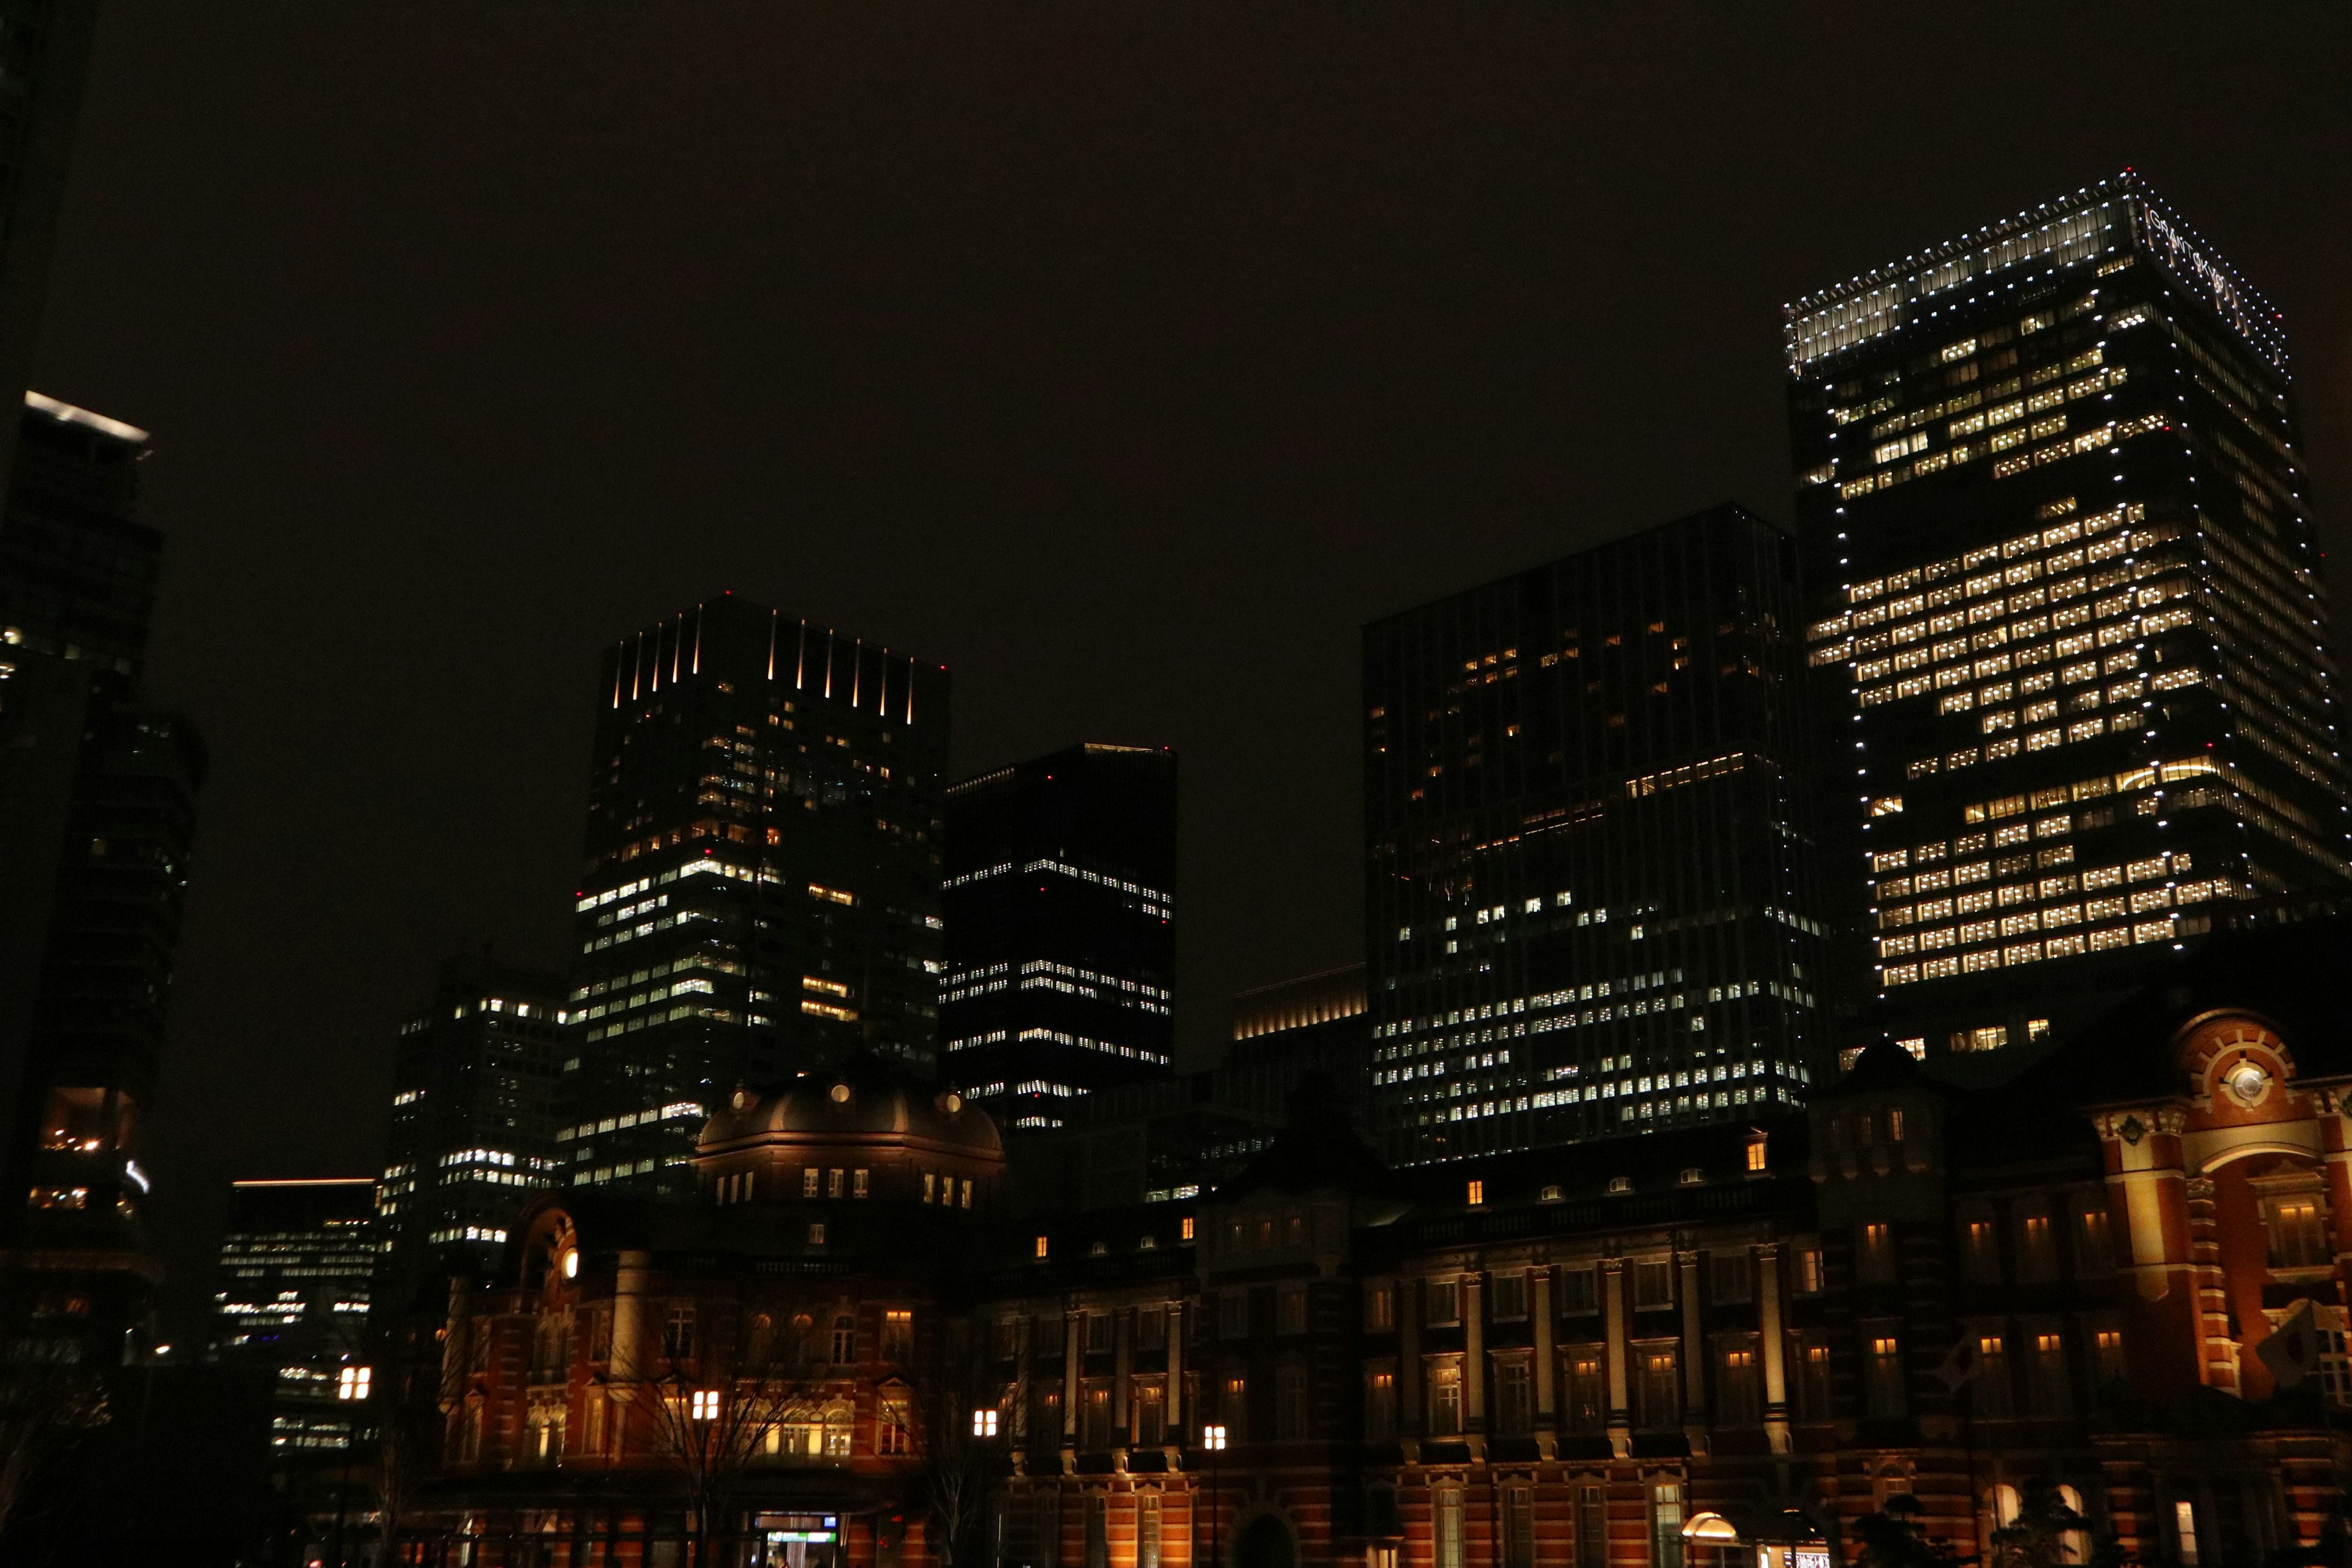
pixel 863 1096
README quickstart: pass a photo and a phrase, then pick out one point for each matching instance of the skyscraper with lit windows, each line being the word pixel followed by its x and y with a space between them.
pixel 1061 937
pixel 473 1123
pixel 1588 879
pixel 2069 638
pixel 296 1262
pixel 761 891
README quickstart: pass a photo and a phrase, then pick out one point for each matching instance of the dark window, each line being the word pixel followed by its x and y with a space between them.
pixel 1591 1526
pixel 1579 1292
pixel 1513 1407
pixel 1734 1277
pixel 1509 1298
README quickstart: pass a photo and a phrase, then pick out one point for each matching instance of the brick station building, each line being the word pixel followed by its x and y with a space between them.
pixel 1570 1357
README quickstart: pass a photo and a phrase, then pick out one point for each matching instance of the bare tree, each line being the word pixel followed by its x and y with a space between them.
pixel 49 1408
pixel 711 1411
pixel 962 1456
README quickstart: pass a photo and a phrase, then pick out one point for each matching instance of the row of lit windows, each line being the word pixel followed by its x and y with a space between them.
pixel 678 1110
pixel 1904 446
pixel 2052 538
pixel 2025 922
pixel 2013 953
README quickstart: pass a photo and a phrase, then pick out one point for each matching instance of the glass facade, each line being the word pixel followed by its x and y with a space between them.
pixel 761 885
pixel 1588 870
pixel 2069 636
pixel 1061 937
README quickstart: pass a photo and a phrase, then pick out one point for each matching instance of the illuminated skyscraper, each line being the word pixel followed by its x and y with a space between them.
pixel 761 885
pixel 295 1265
pixel 1061 937
pixel 1589 872
pixel 2070 638
pixel 473 1123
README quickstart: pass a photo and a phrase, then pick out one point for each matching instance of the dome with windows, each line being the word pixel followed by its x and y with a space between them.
pixel 863 1099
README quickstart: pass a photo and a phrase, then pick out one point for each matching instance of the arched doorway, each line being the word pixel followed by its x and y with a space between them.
pixel 1264 1543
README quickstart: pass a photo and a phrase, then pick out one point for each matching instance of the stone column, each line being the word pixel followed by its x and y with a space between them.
pixel 629 1319
pixel 1547 1367
pixel 1074 1331
pixel 1612 1300
pixel 1122 1406
pixel 1694 1421
pixel 1775 1347
pixel 1409 1422
pixel 1172 1400
pixel 1474 1361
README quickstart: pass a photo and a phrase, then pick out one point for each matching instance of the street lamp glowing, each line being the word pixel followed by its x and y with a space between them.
pixel 983 1423
pixel 1213 1438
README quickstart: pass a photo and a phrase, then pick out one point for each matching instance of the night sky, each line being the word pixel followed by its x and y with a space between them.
pixel 1124 358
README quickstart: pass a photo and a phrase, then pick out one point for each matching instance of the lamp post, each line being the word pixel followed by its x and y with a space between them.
pixel 1212 1438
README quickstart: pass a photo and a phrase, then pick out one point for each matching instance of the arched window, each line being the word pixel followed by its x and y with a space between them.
pixel 2076 1542
pixel 845 1340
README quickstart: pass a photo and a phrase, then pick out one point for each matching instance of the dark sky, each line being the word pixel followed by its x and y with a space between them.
pixel 1124 358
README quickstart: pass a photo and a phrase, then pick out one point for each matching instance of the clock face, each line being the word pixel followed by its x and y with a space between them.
pixel 2236 1060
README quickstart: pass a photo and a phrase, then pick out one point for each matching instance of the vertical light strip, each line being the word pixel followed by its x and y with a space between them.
pixel 882 707
pixel 657 636
pixel 828 664
pixel 697 639
pixel 616 674
pixel 775 619
pixel 800 663
pixel 676 650
pixel 856 668
pixel 638 670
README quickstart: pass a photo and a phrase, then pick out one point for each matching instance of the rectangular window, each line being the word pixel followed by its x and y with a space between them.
pixel 1151 1328
pixel 2049 1388
pixel 1094 1418
pixel 1995 1393
pixel 1380 1306
pixel 1151 1416
pixel 1587 1398
pixel 2297 1238
pixel 1518 1526
pixel 809 1179
pixel 1979 1252
pixel 2184 1532
pixel 1886 1391
pixel 1653 1283
pixel 1878 1252
pixel 1813 1359
pixel 1448 1527
pixel 1445 1400
pixel 1290 1404
pixel 1234 1409
pixel 2093 1242
pixel 2037 1253
pixel 1291 1310
pixel 1579 1292
pixel 1737 1393
pixel 1100 1328
pixel 1379 1406
pixel 1146 1530
pixel 1514 1405
pixel 1657 1389
pixel 898 1334
pixel 1441 1302
pixel 1508 1296
pixel 1233 1315
pixel 1808 1270
pixel 1591 1526
pixel 1097 1531
pixel 1734 1277
pixel 1667 1525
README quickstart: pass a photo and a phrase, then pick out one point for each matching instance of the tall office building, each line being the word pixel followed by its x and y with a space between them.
pixel 2069 636
pixel 473 1122
pixel 761 885
pixel 1061 937
pixel 96 818
pixel 295 1264
pixel 1588 890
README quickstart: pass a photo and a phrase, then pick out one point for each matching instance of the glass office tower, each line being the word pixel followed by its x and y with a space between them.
pixel 761 887
pixel 2069 638
pixel 1588 879
pixel 1061 936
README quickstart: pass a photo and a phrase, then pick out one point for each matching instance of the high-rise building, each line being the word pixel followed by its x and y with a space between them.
pixel 761 885
pixel 473 1121
pixel 2069 636
pixel 96 818
pixel 1061 937
pixel 1589 883
pixel 296 1261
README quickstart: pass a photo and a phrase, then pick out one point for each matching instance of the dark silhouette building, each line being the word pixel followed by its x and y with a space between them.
pixel 2070 638
pixel 761 891
pixel 97 820
pixel 1061 944
pixel 297 1259
pixel 1588 879
pixel 473 1121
